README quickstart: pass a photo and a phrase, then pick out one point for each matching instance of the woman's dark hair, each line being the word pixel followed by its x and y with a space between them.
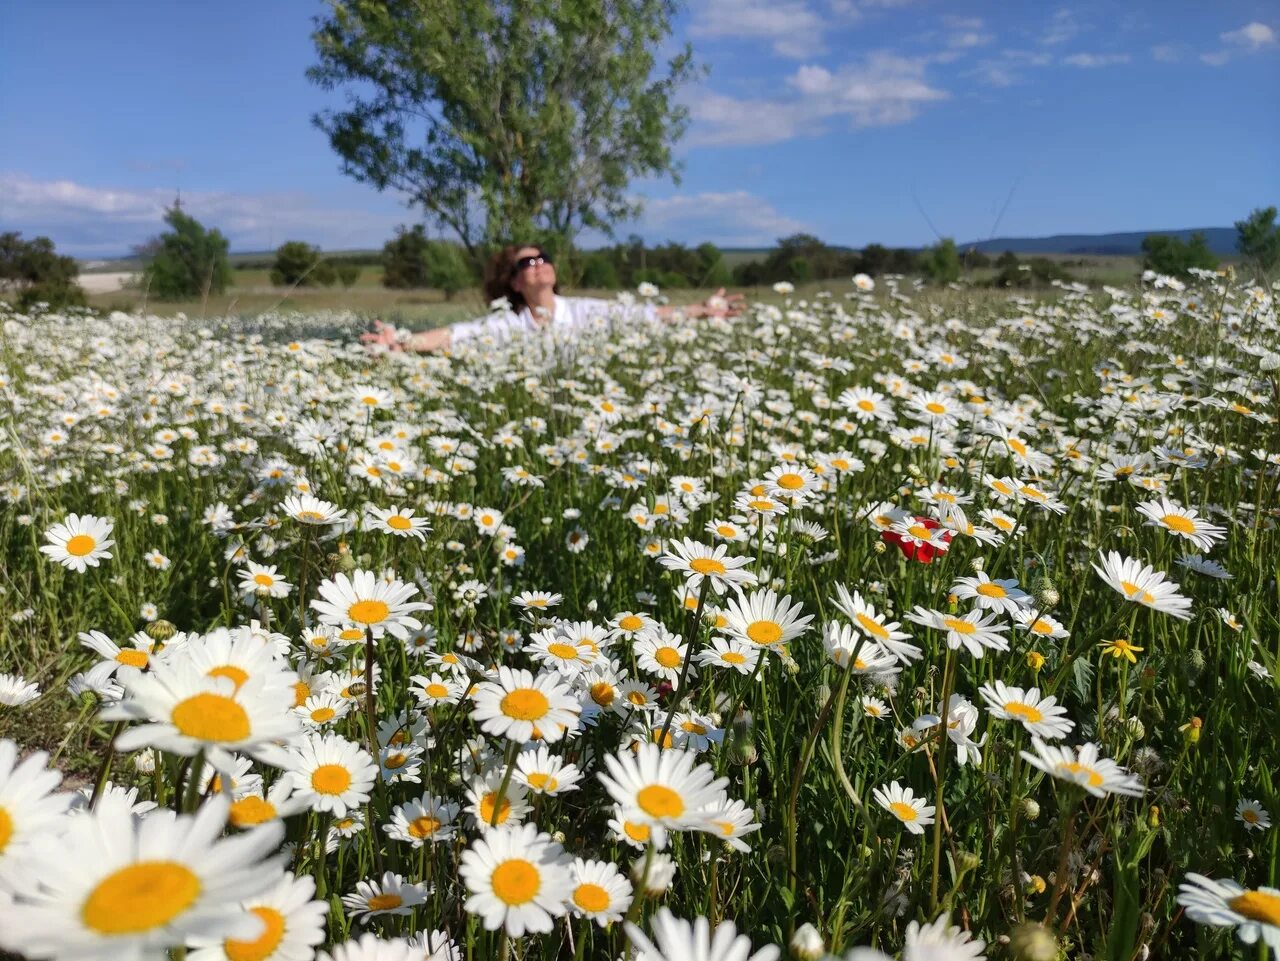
pixel 500 271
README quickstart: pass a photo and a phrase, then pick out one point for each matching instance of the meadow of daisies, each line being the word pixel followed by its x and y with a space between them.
pixel 879 623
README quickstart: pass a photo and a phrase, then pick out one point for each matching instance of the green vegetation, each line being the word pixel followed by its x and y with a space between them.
pixel 1169 255
pixel 187 261
pixel 34 271
pixel 1258 240
pixel 299 263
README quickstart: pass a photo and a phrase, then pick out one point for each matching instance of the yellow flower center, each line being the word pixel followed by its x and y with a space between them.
pixel 631 623
pixel 1076 769
pixel 263 580
pixel 668 657
pixel 1017 446
pixel 692 727
pixel 368 612
pixel 790 482
pixel 265 945
pixel 659 801
pixel 423 827
pixel 395 761
pixel 80 545
pixel 637 698
pixel 987 589
pixel 707 565
pixel 140 897
pixel 866 405
pixel 542 782
pixel 211 717
pixel 525 704
pixel 764 632
pixel 251 810
pixel 934 407
pixel 1024 712
pixel 486 809
pixel 566 652
pixel 238 675
pixel 602 693
pixel 591 897
pixel 904 812
pixel 637 832
pixel 733 657
pixel 1178 524
pixel 6 829
pixel 330 779
pixel 133 658
pixel 399 523
pixel 1257 906
pixel 919 530
pixel 959 626
pixel 436 691
pixel 516 881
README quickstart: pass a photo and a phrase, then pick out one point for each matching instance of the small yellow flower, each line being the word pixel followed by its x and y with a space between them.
pixel 1122 648
pixel 1035 660
pixel 1036 885
pixel 1192 730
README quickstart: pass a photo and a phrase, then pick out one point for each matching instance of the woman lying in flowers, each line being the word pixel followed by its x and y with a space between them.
pixel 521 282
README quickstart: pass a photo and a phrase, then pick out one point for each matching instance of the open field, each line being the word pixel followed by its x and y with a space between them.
pixel 936 620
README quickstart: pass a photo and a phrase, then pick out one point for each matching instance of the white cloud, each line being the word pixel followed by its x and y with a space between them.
pixel 105 221
pixel 1167 53
pixel 883 89
pixel 735 218
pixel 1252 36
pixel 1005 69
pixel 794 28
pixel 1094 60
pixel 1062 27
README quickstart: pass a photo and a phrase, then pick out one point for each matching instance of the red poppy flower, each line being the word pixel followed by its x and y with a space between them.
pixel 914 550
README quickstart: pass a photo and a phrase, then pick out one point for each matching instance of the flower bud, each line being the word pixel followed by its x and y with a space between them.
pixel 161 630
pixel 1045 594
pixel 1153 816
pixel 967 861
pixel 1194 661
pixel 879 547
pixel 1136 729
pixel 1030 808
pixel 977 565
pixel 1035 660
pixel 806 943
pixel 1033 942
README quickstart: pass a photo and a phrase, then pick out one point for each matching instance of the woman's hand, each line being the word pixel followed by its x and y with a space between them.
pixel 383 335
pixel 720 304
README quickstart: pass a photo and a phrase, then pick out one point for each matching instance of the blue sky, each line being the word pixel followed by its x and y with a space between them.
pixel 857 120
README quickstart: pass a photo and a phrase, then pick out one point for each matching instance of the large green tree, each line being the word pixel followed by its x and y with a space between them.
pixel 504 120
pixel 186 261
pixel 1258 239
pixel 35 273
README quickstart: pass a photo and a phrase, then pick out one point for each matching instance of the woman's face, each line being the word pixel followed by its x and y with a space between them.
pixel 538 276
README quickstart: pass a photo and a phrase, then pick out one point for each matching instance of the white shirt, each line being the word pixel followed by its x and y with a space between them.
pixel 571 316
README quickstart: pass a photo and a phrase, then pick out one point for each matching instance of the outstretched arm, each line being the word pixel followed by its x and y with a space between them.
pixel 717 305
pixel 439 338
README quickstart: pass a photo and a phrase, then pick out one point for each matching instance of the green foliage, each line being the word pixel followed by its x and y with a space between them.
pixel 187 261
pixel 1166 254
pixel 298 263
pixel 404 259
pixel 447 268
pixel 1034 272
pixel 543 113
pixel 599 271
pixel 347 273
pixel 1258 239
pixel 941 263
pixel 35 271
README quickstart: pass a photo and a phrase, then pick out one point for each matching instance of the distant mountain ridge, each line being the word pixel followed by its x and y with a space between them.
pixel 1222 241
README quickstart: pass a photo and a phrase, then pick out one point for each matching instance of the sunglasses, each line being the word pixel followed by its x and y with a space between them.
pixel 524 263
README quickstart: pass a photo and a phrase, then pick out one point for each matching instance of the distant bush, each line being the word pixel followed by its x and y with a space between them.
pixel 1170 255
pixel 1258 239
pixel 187 261
pixel 37 273
pixel 941 263
pixel 404 259
pixel 297 262
pixel 347 273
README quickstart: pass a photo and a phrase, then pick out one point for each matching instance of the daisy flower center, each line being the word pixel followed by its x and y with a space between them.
pixel 991 590
pixel 322 714
pixel 637 832
pixel 525 704
pixel 733 657
pixel 516 881
pixel 140 897
pixel 1042 627
pixel 707 565
pixel 631 623
pixel 1247 815
pixel 486 808
pixel 659 801
pixel 80 545
pixel 934 407
pixel 265 945
pixel 301 691
pixel 330 779
pixel 602 693
pixel 251 810
pixel 667 656
pixel 399 522
pixel 6 829
pixel 919 530
pixel 872 627
pixel 790 482
pixel 959 626
pixel 263 580
pixel 542 782
pixel 436 690
pixel 384 902
pixel 396 761
pixel 1257 906
pixel 368 612
pixel 133 658
pixel 1023 712
pixel 764 632
pixel 211 717
pixel 1178 523
pixel 1017 446
pixel 566 652
pixel 238 675
pixel 591 897
pixel 1076 769
pixel 423 827
pixel 904 812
